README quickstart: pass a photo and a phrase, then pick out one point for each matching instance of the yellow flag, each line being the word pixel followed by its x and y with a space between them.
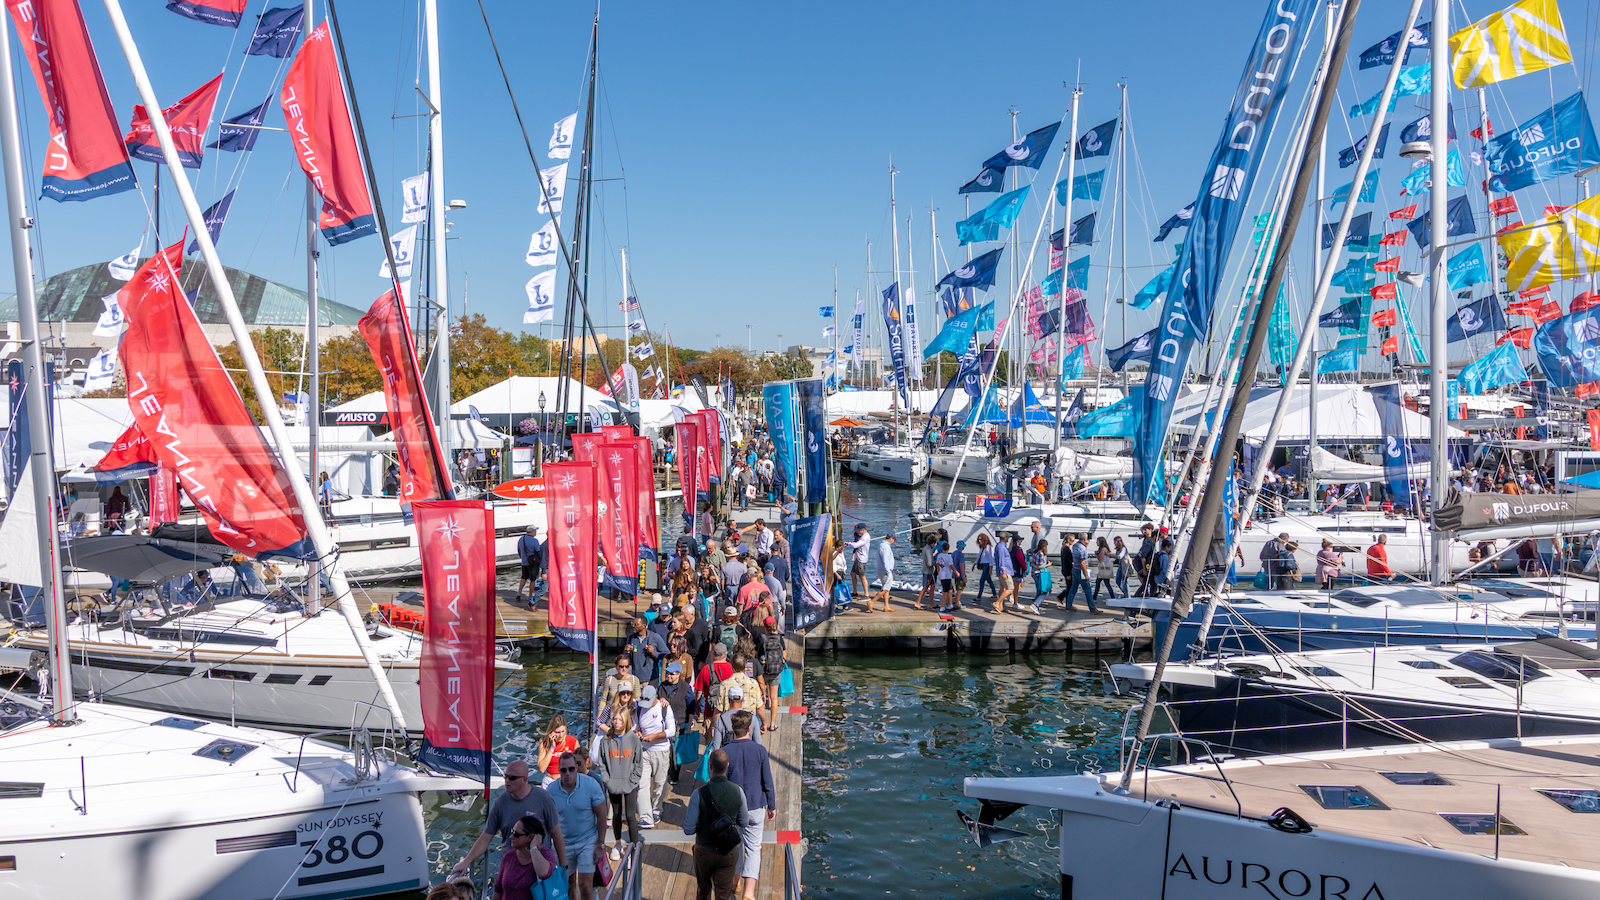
pixel 1558 247
pixel 1524 37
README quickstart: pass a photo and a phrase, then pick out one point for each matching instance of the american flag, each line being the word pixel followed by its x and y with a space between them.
pixel 629 305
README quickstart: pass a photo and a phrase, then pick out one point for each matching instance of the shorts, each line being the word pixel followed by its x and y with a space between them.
pixel 928 580
pixel 858 568
pixel 1007 582
pixel 580 857
pixel 530 573
pixel 947 584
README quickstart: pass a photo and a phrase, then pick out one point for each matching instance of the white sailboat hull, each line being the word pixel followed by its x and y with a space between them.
pixel 897 466
pixel 974 469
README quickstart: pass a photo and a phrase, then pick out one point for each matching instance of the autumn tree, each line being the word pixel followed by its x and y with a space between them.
pixel 348 370
pixel 280 351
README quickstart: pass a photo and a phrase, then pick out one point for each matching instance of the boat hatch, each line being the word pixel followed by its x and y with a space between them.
pixel 180 722
pixel 28 790
pixel 1416 778
pixel 225 750
pixel 1575 801
pixel 1317 671
pixel 1343 796
pixel 1481 823
pixel 1461 681
pixel 1504 669
pixel 1422 664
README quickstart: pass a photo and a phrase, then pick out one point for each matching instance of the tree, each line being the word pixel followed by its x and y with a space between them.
pixel 348 370
pixel 280 351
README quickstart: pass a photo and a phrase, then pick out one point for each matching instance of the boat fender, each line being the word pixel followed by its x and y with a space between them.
pixel 1287 820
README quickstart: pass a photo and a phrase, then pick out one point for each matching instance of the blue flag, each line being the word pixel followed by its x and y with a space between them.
pixel 1499 366
pixel 1383 52
pixel 985 224
pixel 809 600
pixel 958 331
pixel 1225 190
pixel 216 214
pixel 825 311
pixel 1467 268
pixel 989 181
pixel 1348 313
pixel 1072 365
pixel 1369 190
pixel 239 132
pixel 897 346
pixel 978 273
pixel 1355 276
pixel 1558 141
pixel 276 31
pixel 1180 219
pixel 1457 215
pixel 1422 129
pixel 778 401
pixel 1349 155
pixel 1077 275
pixel 1084 187
pixel 1138 348
pixel 1097 140
pixel 1417 182
pixel 1120 419
pixel 1413 80
pixel 1396 455
pixel 813 421
pixel 1155 287
pixel 1030 151
pixel 1569 348
pixel 1360 230
pixel 1081 232
pixel 1337 361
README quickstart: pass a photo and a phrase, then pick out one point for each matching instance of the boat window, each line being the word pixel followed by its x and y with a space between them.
pixel 180 722
pixel 1461 681
pixel 1343 796
pixel 1317 604
pixel 1415 778
pixel 1500 668
pixel 1318 671
pixel 1575 801
pixel 1356 598
pixel 27 790
pixel 1515 591
pixel 1481 823
pixel 1422 664
pixel 225 751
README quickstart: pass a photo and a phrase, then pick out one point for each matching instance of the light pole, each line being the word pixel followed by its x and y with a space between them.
pixel 538 436
pixel 749 338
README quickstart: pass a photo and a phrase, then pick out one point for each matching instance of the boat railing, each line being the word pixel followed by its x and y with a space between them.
pixel 791 873
pixel 629 875
pixel 362 753
pixel 1210 755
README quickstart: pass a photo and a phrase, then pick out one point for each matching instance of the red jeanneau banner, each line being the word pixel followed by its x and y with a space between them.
pixel 187 120
pixel 615 523
pixel 324 142
pixel 85 158
pixel 388 334
pixel 184 401
pixel 711 437
pixel 457 670
pixel 130 457
pixel 687 433
pixel 570 511
pixel 164 504
pixel 644 486
pixel 702 457
pixel 616 432
pixel 585 444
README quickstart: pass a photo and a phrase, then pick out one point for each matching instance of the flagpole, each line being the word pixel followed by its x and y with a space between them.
pixel 1066 247
pixel 1438 200
pixel 441 272
pixel 1493 262
pixel 899 302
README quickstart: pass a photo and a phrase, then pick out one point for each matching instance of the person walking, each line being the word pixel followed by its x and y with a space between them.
pixel 1081 575
pixel 716 817
pixel 1105 569
pixel 959 557
pixel 531 553
pixel 1039 566
pixel 1158 567
pixel 680 697
pixel 520 798
pixel 581 807
pixel 1124 564
pixel 552 744
pixel 722 726
pixel 774 662
pixel 656 728
pixel 1378 561
pixel 1007 566
pixel 1328 563
pixel 985 568
pixel 884 563
pixel 1270 558
pixel 645 648
pixel 930 550
pixel 617 753
pixel 858 559
pixel 750 768
pixel 1144 556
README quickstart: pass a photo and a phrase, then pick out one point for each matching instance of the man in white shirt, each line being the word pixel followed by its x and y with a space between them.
pixel 885 567
pixel 657 727
pixel 858 559
pixel 945 570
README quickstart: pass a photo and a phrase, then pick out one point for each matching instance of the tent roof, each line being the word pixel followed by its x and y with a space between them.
pixel 847 422
pixel 1346 413
pixel 519 396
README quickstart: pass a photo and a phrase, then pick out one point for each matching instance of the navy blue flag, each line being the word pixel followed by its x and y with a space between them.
pixel 1558 141
pixel 1360 230
pixel 1180 219
pixel 969 370
pixel 1097 140
pixel 1049 321
pixel 239 132
pixel 216 214
pixel 1076 313
pixel 1383 52
pixel 1029 151
pixel 211 13
pixel 1348 314
pixel 989 181
pixel 808 585
pixel 897 344
pixel 276 32
pixel 1138 348
pixel 1082 231
pixel 1225 187
pixel 1349 155
pixel 1482 317
pixel 813 425
pixel 1391 413
pixel 1541 407
pixel 1422 129
pixel 1569 348
pixel 1069 419
pixel 977 273
pixel 1458 216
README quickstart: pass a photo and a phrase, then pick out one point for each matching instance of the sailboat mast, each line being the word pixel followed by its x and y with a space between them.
pixel 441 270
pixel 913 351
pixel 1439 306
pixel 899 304
pixel 933 266
pixel 39 468
pixel 1122 189
pixel 1316 275
pixel 313 352
pixel 1066 246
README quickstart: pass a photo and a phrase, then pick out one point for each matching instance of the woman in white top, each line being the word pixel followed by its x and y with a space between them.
pixel 1120 551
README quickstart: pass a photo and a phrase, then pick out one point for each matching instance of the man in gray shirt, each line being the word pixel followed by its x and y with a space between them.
pixel 520 798
pixel 723 726
pixel 780 597
pixel 734 572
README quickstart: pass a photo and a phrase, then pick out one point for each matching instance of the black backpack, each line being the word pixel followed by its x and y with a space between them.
pixel 723 832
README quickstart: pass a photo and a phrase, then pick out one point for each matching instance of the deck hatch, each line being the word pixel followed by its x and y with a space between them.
pixel 1481 823
pixel 226 751
pixel 1461 681
pixel 179 722
pixel 1416 778
pixel 1578 801
pixel 1317 671
pixel 21 790
pixel 1423 664
pixel 1343 796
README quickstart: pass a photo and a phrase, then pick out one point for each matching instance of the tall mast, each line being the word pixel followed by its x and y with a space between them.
pixel 899 302
pixel 933 266
pixel 1316 275
pixel 1122 189
pixel 39 470
pixel 1066 246
pixel 441 271
pixel 835 370
pixel 909 300
pixel 1438 202
pixel 313 351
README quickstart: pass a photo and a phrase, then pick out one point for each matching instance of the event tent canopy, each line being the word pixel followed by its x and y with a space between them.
pixel 1345 414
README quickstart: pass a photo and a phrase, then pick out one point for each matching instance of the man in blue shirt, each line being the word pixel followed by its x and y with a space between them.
pixel 582 807
pixel 1080 573
pixel 531 552
pixel 750 769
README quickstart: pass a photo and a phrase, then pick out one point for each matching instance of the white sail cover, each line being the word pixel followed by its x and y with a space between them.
pixel 1075 466
pixel 20 536
pixel 1330 468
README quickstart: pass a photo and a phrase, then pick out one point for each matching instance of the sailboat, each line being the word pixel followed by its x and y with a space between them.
pixel 125 803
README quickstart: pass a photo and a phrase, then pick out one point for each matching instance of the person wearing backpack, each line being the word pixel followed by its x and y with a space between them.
pixel 716 816
pixel 750 768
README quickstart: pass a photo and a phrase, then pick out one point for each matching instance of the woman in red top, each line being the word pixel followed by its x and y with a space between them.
pixel 555 742
pixel 525 863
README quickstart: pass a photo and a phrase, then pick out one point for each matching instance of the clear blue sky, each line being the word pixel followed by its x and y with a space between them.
pixel 751 143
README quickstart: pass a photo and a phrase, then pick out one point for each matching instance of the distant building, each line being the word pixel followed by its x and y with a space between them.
pixel 871 359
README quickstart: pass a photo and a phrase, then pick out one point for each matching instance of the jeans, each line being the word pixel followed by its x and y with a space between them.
pixel 1078 583
pixel 1122 579
pixel 1111 590
pixel 986 578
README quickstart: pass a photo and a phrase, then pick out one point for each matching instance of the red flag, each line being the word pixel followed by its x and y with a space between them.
pixel 130 457
pixel 702 459
pixel 1393 239
pixel 456 676
pixel 187 120
pixel 1505 206
pixel 1404 214
pixel 644 485
pixel 179 392
pixel 1383 291
pixel 1594 428
pixel 214 12
pixel 1534 291
pixel 1548 310
pixel 711 436
pixel 1477 133
pixel 1387 318
pixel 422 465
pixel 687 436
pixel 319 125
pixel 1587 389
pixel 1522 337
pixel 1392 264
pixel 616 432
pixel 1584 301
pixel 85 157
pixel 1390 347
pixel 164 504
pixel 1555 210
pixel 1505 228
pixel 570 505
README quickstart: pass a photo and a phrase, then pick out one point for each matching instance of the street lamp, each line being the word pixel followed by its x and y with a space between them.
pixel 538 456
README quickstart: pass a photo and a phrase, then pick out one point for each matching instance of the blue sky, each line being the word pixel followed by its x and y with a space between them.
pixel 749 144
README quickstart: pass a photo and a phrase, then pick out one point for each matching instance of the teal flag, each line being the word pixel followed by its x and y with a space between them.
pixel 1466 268
pixel 1117 420
pixel 1072 366
pixel 956 335
pixel 1360 326
pixel 1084 187
pixel 1370 245
pixel 1417 181
pixel 1280 335
pixel 1154 288
pixel 1499 366
pixel 1077 274
pixel 985 318
pixel 1369 190
pixel 1413 80
pixel 1357 343
pixel 1356 276
pixel 1051 285
pixel 1337 361
pixel 985 224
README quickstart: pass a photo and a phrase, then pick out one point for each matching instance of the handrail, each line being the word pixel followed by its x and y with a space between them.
pixel 1211 756
pixel 791 869
pixel 361 748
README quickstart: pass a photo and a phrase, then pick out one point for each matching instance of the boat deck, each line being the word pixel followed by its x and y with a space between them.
pixel 1482 777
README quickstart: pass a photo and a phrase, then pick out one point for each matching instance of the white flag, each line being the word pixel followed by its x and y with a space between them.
pixel 102 370
pixel 123 267
pixel 111 322
pixel 636 326
pixel 542 249
pixel 414 198
pixel 828 331
pixel 555 186
pixel 561 140
pixel 644 351
pixel 541 298
pixel 401 243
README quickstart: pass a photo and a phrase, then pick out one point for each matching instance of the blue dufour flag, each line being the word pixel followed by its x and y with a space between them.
pixel 1348 314
pixel 1558 141
pixel 1349 155
pixel 1138 348
pixel 778 401
pixel 814 438
pixel 989 181
pixel 1396 455
pixel 239 132
pixel 1155 287
pixel 1569 348
pixel 1466 268
pixel 1097 140
pixel 985 224
pixel 1084 187
pixel 1029 152
pixel 897 344
pixel 1337 361
pixel 1224 192
pixel 977 273
pixel 276 31
pixel 1180 219
pixel 1383 52
pixel 1120 419
pixel 1499 366
pixel 958 331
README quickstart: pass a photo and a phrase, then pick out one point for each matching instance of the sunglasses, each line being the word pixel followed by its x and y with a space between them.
pixel 515 777
pixel 568 769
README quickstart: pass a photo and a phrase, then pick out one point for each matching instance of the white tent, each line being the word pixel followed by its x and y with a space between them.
pixel 518 398
pixel 1330 468
pixel 860 403
pixel 1345 413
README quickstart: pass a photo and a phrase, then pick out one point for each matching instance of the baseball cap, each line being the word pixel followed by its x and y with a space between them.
pixel 1163 530
pixel 647 694
pixel 861 526
pixel 730 611
pixel 769 621
pixel 674 667
pixel 735 691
